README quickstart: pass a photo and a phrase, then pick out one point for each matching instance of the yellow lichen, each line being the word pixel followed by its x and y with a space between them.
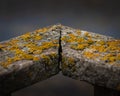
pixel 98 48
pixel 86 34
pixel 38 37
pixel 78 42
pixel 78 32
pixel 18 51
pixel 79 46
pixel 25 36
pixel 37 51
pixel 90 41
pixel 36 58
pixel 101 42
pixel 90 55
pixel 1 46
pixel 71 60
pixel 109 58
pixel 68 62
pixel 46 59
pixel 53 54
pixel 44 56
pixel 26 47
pixel 118 56
pixel 64 38
pixel 42 30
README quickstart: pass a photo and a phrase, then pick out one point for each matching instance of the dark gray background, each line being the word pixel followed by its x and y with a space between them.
pixel 20 16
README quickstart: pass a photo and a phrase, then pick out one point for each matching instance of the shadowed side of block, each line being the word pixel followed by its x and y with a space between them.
pixel 91 57
pixel 29 58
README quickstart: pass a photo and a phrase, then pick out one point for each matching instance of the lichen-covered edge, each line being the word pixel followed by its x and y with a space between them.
pixel 25 72
pixel 89 68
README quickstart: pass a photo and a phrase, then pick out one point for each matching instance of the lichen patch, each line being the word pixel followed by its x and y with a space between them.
pixel 27 46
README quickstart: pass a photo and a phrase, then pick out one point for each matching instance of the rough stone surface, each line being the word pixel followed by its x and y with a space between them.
pixel 29 58
pixel 91 57
pixel 79 54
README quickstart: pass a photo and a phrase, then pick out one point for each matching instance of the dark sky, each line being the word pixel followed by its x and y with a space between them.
pixel 20 16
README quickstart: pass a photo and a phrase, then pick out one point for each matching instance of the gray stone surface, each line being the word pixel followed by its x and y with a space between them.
pixel 29 58
pixel 36 56
pixel 100 66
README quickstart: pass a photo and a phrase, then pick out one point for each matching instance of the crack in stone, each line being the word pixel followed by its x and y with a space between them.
pixel 74 67
pixel 60 52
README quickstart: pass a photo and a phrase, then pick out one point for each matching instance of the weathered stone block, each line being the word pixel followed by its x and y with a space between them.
pixel 91 57
pixel 79 54
pixel 29 58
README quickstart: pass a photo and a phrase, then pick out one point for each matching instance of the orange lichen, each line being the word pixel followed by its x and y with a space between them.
pixel 86 34
pixel 53 54
pixel 27 47
pixel 39 51
pixel 71 60
pixel 118 56
pixel 79 46
pixel 68 62
pixel 90 55
pixel 44 56
pixel 78 32
pixel 36 58
pixel 64 38
pixel 101 42
pixel 109 58
pixel 41 30
pixel 78 42
pixel 98 48
pixel 38 37
pixel 108 50
pixel 1 46
pixel 25 36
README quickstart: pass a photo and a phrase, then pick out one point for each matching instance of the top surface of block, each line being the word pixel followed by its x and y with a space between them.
pixel 28 47
pixel 91 57
pixel 91 46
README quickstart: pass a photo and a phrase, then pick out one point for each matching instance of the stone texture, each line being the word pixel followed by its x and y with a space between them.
pixel 38 55
pixel 29 58
pixel 91 57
